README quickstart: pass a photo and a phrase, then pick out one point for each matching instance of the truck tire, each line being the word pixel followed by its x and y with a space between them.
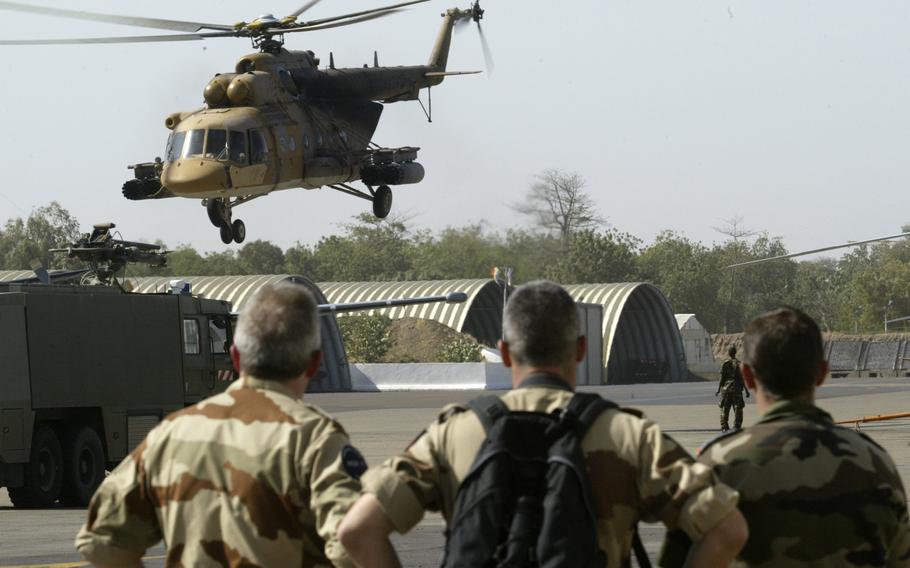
pixel 83 467
pixel 43 473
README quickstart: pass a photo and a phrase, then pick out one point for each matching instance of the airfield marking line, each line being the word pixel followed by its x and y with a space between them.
pixel 78 564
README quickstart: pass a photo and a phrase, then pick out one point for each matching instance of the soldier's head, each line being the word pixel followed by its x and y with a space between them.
pixel 783 353
pixel 277 336
pixel 540 329
pixel 731 351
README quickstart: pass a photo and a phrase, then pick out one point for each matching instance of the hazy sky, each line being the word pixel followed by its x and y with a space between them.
pixel 791 114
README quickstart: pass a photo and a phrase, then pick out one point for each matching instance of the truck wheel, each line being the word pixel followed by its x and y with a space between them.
pixel 43 473
pixel 83 467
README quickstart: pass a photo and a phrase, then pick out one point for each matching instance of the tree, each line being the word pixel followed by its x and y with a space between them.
pixel 733 228
pixel 465 252
pixel 558 202
pixel 371 249
pixel 47 227
pixel 689 275
pixel 260 257
pixel 596 257
pixel 300 259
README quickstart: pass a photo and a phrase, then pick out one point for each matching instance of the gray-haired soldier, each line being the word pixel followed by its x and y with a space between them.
pixel 252 476
pixel 636 471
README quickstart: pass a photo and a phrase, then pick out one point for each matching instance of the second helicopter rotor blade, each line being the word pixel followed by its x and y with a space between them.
pixel 176 25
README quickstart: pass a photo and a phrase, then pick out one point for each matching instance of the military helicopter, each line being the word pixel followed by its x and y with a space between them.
pixel 278 121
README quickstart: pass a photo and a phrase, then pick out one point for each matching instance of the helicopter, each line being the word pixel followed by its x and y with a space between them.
pixel 279 121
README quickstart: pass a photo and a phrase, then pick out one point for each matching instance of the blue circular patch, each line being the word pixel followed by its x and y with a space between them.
pixel 352 461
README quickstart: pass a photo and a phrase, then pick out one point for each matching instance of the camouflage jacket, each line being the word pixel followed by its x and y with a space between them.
pixel 249 477
pixel 731 379
pixel 813 493
pixel 637 472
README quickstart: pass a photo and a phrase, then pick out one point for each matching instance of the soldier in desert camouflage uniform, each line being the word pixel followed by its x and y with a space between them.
pixel 252 476
pixel 814 494
pixel 637 472
pixel 731 389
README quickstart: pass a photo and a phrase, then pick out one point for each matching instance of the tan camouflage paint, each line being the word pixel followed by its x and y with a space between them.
pixel 637 472
pixel 813 493
pixel 250 477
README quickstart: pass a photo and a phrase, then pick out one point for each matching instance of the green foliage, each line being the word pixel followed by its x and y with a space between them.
pixel 855 292
pixel 365 337
pixel 596 257
pixel 48 227
pixel 461 350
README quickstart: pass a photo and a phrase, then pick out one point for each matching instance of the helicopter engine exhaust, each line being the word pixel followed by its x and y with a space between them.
pixel 393 173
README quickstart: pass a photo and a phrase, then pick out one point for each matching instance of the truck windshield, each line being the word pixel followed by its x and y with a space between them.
pixel 216 145
pixel 174 146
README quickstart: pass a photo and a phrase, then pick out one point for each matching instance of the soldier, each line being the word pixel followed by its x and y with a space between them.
pixel 251 476
pixel 814 494
pixel 732 387
pixel 636 471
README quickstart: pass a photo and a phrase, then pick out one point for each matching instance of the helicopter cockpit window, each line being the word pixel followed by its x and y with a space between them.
pixel 258 148
pixel 237 146
pixel 174 146
pixel 194 143
pixel 216 144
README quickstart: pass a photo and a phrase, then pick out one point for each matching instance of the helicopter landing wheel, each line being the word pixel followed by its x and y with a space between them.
pixel 239 231
pixel 217 211
pixel 227 235
pixel 382 201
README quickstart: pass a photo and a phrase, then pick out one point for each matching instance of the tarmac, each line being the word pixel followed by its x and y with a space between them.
pixel 383 423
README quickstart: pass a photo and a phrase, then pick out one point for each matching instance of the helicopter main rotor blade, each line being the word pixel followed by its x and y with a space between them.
pixel 357 20
pixel 176 25
pixel 322 21
pixel 304 8
pixel 127 39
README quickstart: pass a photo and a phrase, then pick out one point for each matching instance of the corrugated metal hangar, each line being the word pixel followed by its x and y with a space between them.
pixel 640 338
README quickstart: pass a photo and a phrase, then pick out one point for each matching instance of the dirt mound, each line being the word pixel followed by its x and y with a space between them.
pixel 413 340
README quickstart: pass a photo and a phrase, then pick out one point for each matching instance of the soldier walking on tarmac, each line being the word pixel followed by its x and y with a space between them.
pixel 730 388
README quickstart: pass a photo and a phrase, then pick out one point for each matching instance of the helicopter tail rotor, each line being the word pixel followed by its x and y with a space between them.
pixel 475 14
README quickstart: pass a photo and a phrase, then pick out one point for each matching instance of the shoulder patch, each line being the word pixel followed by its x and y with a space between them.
pixel 715 439
pixel 352 461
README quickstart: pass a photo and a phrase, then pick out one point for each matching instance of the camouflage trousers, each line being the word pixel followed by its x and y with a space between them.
pixel 735 402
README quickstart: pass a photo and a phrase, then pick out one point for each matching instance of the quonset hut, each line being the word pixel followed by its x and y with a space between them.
pixel 641 342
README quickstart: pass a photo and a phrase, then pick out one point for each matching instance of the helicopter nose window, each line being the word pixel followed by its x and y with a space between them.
pixel 258 148
pixel 195 141
pixel 237 147
pixel 216 145
pixel 174 146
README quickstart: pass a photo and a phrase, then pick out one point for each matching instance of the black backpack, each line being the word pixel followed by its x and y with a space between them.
pixel 526 500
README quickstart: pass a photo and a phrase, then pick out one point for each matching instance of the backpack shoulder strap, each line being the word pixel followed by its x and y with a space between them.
pixel 584 408
pixel 488 409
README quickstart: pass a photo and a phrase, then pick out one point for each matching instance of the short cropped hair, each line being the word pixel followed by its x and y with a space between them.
pixel 540 324
pixel 278 332
pixel 731 351
pixel 784 349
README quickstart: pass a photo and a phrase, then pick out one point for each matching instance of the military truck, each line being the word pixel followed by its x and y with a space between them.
pixel 87 371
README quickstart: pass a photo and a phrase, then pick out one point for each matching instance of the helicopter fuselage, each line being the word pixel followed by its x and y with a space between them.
pixel 278 121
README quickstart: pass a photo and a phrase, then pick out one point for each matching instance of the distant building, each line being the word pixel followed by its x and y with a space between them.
pixel 697 345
